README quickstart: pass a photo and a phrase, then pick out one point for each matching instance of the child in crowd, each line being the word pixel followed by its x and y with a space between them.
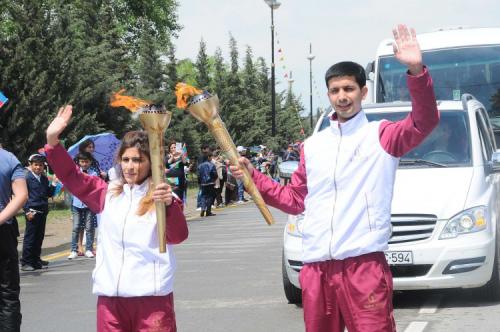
pixel 35 212
pixel 82 216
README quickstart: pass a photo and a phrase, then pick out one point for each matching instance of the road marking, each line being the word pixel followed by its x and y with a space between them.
pixel 55 273
pixel 416 327
pixel 431 305
pixel 56 255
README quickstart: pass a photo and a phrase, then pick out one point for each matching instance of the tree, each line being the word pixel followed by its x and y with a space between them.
pixel 55 52
pixel 202 67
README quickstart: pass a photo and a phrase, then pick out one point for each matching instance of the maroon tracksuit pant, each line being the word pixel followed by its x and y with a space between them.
pixel 354 292
pixel 136 314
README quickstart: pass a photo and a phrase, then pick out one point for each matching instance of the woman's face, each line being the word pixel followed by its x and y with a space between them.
pixel 171 148
pixel 90 148
pixel 135 166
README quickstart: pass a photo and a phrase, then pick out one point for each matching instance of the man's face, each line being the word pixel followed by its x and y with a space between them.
pixel 345 96
pixel 37 167
pixel 84 164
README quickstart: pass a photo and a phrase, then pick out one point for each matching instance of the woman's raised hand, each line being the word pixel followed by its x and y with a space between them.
pixel 59 123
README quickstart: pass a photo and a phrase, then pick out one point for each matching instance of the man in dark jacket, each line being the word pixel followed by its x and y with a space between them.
pixel 35 211
pixel 207 173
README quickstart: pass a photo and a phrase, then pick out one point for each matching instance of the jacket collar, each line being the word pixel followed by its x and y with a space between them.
pixel 137 190
pixel 350 126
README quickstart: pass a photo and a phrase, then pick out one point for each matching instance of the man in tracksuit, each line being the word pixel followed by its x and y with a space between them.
pixel 344 183
pixel 35 211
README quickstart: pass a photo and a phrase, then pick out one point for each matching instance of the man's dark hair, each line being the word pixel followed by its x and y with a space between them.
pixel 36 158
pixel 347 68
pixel 84 156
pixel 204 147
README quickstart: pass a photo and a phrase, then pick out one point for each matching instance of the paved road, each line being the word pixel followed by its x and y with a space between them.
pixel 229 279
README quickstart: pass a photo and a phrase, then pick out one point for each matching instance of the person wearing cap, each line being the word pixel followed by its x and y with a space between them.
pixel 36 210
pixel 344 185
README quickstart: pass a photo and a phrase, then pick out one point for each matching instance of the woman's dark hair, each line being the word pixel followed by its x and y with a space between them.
pixel 347 68
pixel 134 139
pixel 83 145
pixel 139 140
pixel 169 144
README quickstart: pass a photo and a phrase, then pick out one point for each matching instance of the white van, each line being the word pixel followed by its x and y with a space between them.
pixel 461 60
pixel 445 209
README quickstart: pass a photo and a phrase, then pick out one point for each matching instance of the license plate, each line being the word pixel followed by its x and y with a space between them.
pixel 399 257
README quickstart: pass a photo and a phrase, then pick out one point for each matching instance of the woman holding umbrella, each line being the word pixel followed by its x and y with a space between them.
pixel 89 146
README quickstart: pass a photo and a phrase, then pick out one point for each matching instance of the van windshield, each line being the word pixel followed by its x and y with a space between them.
pixel 474 70
pixel 448 145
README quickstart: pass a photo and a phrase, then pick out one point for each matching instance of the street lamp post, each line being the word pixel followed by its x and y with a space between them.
pixel 273 4
pixel 310 57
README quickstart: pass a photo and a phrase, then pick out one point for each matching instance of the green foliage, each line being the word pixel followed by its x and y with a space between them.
pixel 54 52
pixel 57 51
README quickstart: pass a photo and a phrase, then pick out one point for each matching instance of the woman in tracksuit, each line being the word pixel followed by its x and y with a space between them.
pixel 133 281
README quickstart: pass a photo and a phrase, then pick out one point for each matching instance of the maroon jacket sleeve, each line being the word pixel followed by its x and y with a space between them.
pixel 91 190
pixel 289 198
pixel 177 230
pixel 398 138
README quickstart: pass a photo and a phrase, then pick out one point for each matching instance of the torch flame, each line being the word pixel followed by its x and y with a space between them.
pixel 183 91
pixel 130 103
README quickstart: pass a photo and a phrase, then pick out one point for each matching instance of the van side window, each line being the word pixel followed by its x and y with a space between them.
pixel 486 145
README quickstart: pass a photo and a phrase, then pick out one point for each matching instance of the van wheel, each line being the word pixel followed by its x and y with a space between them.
pixel 491 291
pixel 292 293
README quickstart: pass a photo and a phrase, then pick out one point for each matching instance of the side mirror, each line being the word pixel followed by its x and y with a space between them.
pixel 370 68
pixel 495 161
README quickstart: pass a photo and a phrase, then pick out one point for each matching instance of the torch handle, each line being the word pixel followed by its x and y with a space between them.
pixel 221 135
pixel 158 173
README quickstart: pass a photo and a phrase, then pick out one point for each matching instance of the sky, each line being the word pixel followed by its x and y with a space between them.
pixel 337 31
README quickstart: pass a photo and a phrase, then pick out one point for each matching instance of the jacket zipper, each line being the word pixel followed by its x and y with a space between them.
pixel 154 277
pixel 335 188
pixel 123 244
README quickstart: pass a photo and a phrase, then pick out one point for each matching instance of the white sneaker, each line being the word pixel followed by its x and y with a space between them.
pixel 240 202
pixel 198 209
pixel 89 254
pixel 72 255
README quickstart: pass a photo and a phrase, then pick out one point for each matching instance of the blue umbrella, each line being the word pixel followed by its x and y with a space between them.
pixel 106 145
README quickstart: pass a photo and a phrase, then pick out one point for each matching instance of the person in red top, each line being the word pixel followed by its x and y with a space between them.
pixel 344 185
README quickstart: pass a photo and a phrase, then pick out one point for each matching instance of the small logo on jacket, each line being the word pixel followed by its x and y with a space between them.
pixel 372 303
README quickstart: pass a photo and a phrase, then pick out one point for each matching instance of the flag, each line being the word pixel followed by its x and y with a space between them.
pixel 185 152
pixel 3 99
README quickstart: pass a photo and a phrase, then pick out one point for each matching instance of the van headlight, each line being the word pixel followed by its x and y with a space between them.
pixel 468 221
pixel 294 225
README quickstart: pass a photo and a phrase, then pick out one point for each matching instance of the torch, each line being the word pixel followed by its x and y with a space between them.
pixel 155 120
pixel 204 107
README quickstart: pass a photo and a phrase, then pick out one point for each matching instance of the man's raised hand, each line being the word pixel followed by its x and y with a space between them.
pixel 406 48
pixel 59 123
